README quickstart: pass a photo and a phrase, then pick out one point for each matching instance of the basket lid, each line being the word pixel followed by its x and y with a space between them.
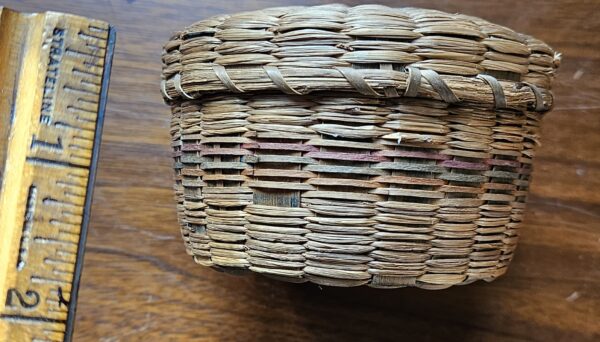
pixel 373 50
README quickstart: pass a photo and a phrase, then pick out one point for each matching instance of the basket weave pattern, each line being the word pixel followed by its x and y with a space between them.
pixel 352 146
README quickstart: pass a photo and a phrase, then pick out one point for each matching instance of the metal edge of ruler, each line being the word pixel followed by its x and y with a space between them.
pixel 110 46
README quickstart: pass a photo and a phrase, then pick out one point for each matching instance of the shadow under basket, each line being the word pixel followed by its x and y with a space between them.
pixel 353 146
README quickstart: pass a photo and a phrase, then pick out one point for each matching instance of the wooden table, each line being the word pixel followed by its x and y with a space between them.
pixel 138 284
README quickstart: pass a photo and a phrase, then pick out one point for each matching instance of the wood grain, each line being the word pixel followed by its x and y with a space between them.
pixel 138 284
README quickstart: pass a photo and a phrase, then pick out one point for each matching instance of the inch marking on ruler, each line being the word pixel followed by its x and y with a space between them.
pixel 17 318
pixel 55 122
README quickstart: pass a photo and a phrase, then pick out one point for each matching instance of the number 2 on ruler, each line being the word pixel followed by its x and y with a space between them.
pixel 29 301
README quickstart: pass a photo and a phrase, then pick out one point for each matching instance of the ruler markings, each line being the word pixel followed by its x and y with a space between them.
pixel 62 231
pixel 61 223
pixel 59 258
pixel 62 273
pixel 65 253
pixel 84 140
pixel 79 84
pixel 48 280
pixel 18 318
pixel 87 101
pixel 70 192
pixel 78 175
pixel 53 261
pixel 56 171
pixel 68 228
pixel 91 72
pixel 94 28
pixel 87 76
pixel 64 225
pixel 27 226
pixel 57 146
pixel 79 157
pixel 48 240
pixel 53 303
pixel 91 65
pixel 28 300
pixel 91 83
pixel 64 125
pixel 78 90
pixel 57 202
pixel 79 53
pixel 72 108
pixel 73 215
pixel 52 163
pixel 89 36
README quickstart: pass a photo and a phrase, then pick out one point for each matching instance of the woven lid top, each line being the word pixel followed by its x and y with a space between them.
pixel 370 49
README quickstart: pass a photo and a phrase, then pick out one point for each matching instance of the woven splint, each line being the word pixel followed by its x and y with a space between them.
pixel 355 145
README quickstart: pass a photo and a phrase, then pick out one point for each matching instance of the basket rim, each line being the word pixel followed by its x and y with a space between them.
pixel 514 95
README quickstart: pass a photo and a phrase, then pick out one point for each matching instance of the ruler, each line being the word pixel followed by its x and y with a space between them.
pixel 54 71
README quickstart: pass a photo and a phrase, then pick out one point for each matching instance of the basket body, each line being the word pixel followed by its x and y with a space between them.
pixel 390 178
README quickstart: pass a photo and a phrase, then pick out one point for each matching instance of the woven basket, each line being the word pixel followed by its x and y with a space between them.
pixel 355 146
